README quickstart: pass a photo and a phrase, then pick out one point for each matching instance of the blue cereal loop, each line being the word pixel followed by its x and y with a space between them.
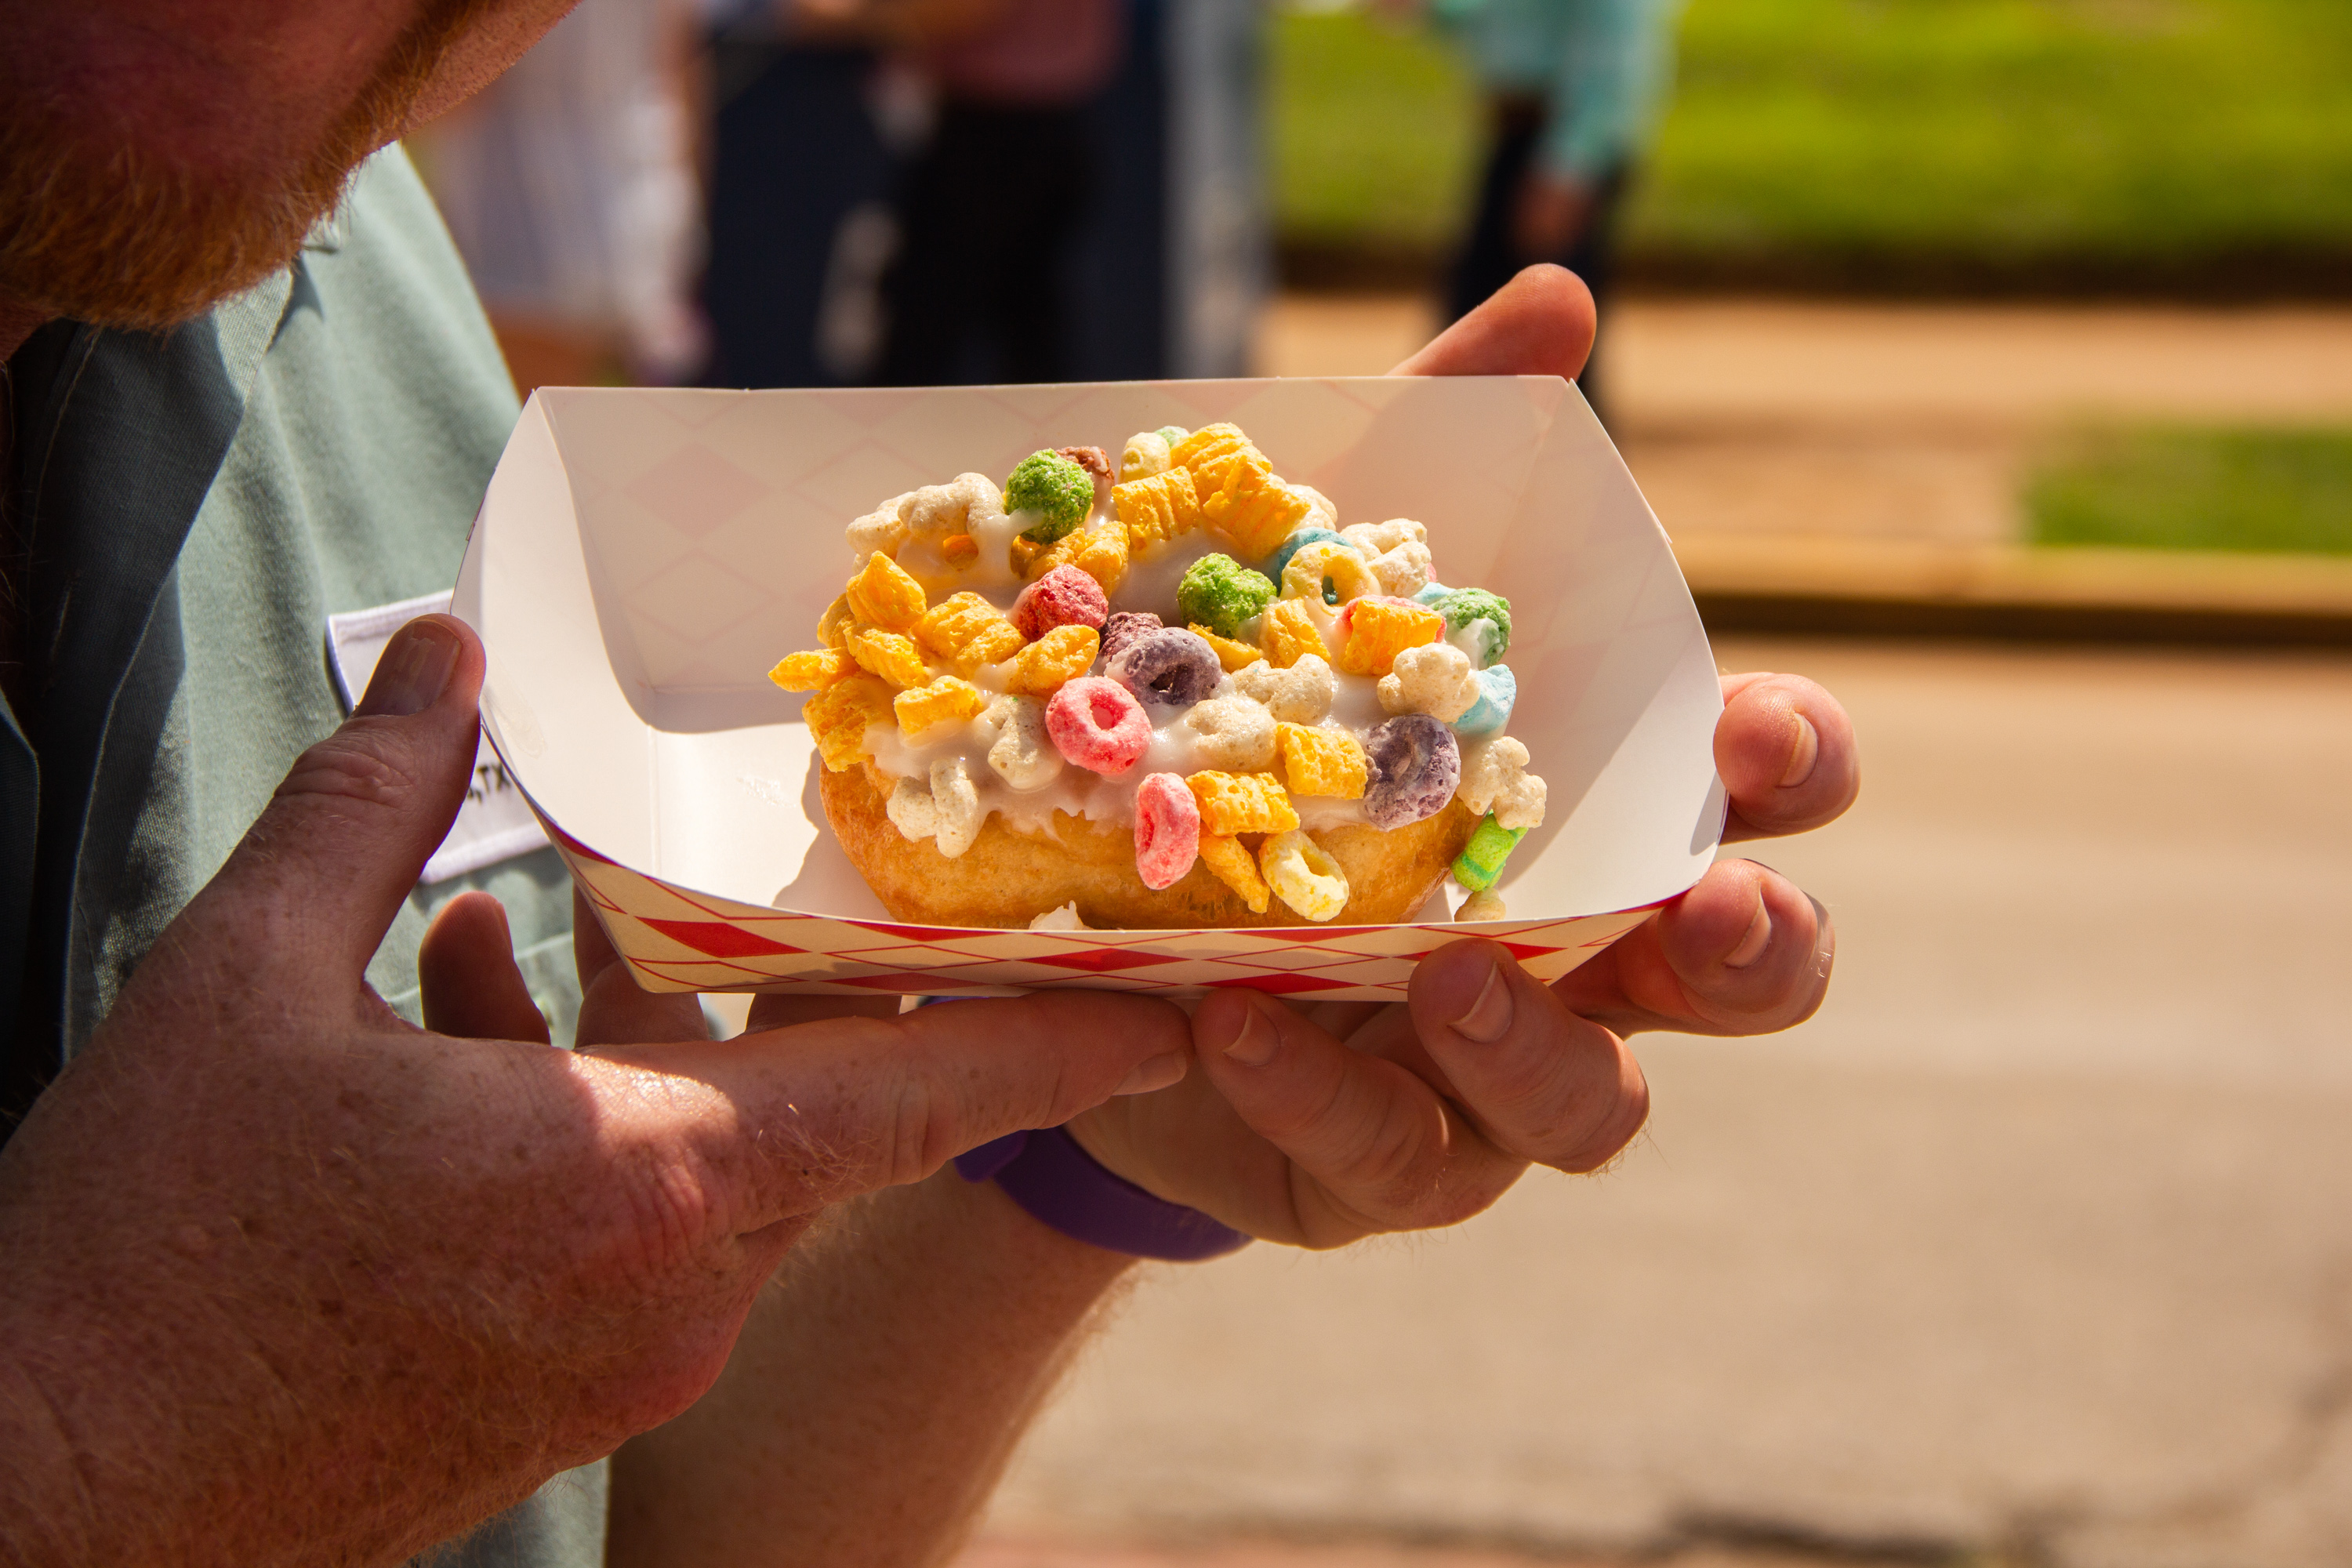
pixel 1431 595
pixel 1298 540
pixel 1498 689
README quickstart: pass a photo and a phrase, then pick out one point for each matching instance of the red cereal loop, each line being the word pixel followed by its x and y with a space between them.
pixel 1167 830
pixel 1065 596
pixel 1097 724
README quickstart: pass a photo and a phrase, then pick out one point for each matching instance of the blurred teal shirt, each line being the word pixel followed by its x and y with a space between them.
pixel 1601 64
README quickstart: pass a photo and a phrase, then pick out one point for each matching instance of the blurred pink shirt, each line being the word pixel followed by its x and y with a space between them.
pixel 1041 54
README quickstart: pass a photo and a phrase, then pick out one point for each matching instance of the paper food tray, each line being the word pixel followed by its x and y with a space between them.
pixel 643 557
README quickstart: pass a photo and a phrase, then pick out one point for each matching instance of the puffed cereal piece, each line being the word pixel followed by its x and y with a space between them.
pixel 1318 761
pixel 1485 904
pixel 838 716
pixel 1146 454
pixel 1063 654
pixel 1056 487
pixel 1436 678
pixel 1398 551
pixel 1303 875
pixel 957 801
pixel 1023 754
pixel 890 655
pixel 1237 734
pixel 1373 631
pixel 1289 634
pixel 883 529
pixel 1159 508
pixel 1494 778
pixel 1300 694
pixel 884 596
pixel 941 512
pixel 968 630
pixel 833 626
pixel 945 701
pixel 1324 514
pixel 1317 570
pixel 911 809
pixel 1098 551
pixel 1232 655
pixel 1229 861
pixel 1241 803
pixel 813 670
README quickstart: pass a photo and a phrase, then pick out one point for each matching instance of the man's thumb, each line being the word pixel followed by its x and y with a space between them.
pixel 343 839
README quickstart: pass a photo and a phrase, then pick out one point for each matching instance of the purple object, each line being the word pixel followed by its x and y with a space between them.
pixel 1123 627
pixel 1166 669
pixel 1414 764
pixel 1059 1184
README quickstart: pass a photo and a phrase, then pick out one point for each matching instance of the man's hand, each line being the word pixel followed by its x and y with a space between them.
pixel 1319 1127
pixel 288 1281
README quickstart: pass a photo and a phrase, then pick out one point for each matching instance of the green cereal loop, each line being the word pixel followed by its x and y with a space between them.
pixel 1053 487
pixel 1465 605
pixel 1172 433
pixel 1481 860
pixel 1219 593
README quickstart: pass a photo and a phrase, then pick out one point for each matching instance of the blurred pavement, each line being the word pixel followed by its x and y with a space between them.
pixel 2031 1245
pixel 1877 421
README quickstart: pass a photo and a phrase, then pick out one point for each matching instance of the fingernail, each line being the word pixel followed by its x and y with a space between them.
pixel 1809 750
pixel 409 676
pixel 1752 945
pixel 1156 1074
pixel 1490 1015
pixel 1255 1046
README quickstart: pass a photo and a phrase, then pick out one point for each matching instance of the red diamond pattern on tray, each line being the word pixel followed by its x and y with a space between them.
pixel 675 939
pixel 694 490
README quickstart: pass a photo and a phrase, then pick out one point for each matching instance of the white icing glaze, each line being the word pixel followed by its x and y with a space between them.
pixel 1151 584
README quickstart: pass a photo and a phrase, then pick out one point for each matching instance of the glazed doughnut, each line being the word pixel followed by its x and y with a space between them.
pixel 1197 702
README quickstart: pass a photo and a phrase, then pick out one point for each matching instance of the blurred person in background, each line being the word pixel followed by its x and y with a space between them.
pixel 569 184
pixel 993 204
pixel 1574 89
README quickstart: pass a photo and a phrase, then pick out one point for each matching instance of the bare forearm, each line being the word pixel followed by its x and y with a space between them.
pixel 875 1393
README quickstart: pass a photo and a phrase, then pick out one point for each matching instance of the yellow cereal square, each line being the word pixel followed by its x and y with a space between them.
pixel 1231 862
pixel 1321 762
pixel 882 594
pixel 968 630
pixel 812 671
pixel 1063 654
pixel 839 715
pixel 1259 518
pixel 1158 507
pixel 1288 633
pixel 946 701
pixel 1209 448
pixel 890 655
pixel 1231 654
pixel 833 626
pixel 1241 803
pixel 1100 551
pixel 1379 629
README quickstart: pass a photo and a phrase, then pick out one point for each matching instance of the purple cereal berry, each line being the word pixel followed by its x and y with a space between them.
pixel 1169 668
pixel 1123 627
pixel 1415 764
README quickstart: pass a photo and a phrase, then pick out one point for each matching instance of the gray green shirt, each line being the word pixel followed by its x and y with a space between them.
pixel 196 504
pixel 1600 66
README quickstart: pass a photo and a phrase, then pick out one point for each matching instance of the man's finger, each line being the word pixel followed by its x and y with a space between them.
pixel 801 1117
pixel 1539 323
pixel 613 1009
pixel 466 968
pixel 1743 952
pixel 784 1009
pixel 1786 752
pixel 317 878
pixel 1541 1082
pixel 1381 1149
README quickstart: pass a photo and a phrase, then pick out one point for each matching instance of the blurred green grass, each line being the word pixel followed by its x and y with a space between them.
pixel 1991 137
pixel 2181 489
